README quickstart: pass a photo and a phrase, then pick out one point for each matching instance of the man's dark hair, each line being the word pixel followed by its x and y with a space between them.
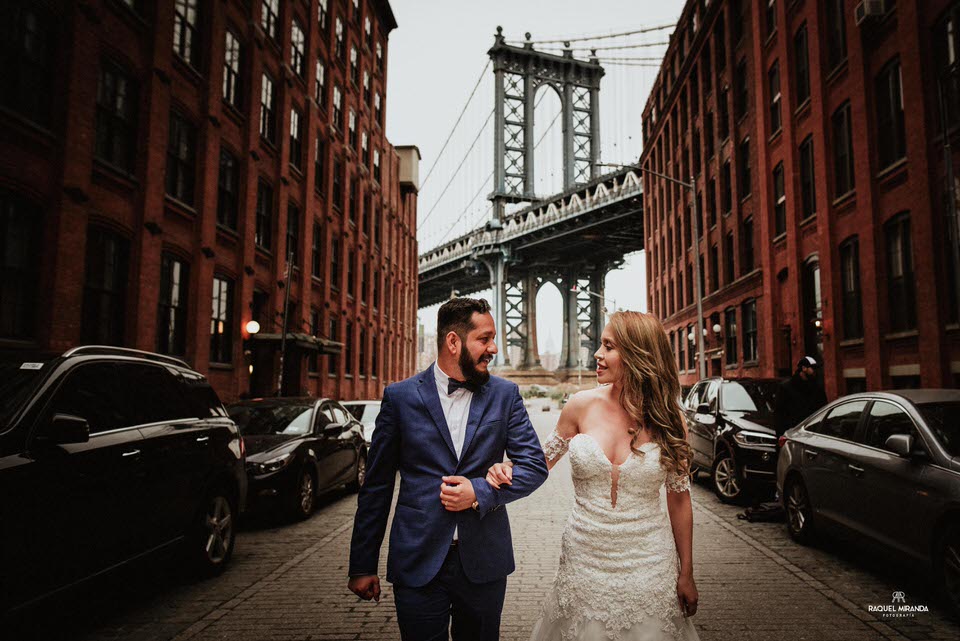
pixel 456 315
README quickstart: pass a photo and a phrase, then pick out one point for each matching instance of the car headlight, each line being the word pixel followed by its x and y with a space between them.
pixel 273 465
pixel 753 439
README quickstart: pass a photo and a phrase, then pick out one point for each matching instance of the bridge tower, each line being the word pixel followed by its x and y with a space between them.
pixel 520 71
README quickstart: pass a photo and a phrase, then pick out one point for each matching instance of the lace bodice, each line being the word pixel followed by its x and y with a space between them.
pixel 618 560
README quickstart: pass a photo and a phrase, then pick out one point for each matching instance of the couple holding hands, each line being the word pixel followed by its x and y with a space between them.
pixel 626 567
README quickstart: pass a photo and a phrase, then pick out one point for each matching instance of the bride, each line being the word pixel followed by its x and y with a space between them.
pixel 626 568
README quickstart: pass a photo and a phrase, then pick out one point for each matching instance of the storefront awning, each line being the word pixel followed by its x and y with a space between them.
pixel 298 340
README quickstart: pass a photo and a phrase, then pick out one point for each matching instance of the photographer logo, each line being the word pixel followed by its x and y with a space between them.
pixel 898 608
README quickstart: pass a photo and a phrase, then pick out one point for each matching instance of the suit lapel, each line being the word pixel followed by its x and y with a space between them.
pixel 478 407
pixel 431 399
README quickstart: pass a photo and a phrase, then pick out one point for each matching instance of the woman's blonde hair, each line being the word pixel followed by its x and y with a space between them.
pixel 650 387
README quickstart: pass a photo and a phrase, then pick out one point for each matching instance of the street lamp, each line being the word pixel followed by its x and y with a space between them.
pixel 252 327
pixel 692 188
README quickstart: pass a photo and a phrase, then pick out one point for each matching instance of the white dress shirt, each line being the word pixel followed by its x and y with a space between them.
pixel 456 411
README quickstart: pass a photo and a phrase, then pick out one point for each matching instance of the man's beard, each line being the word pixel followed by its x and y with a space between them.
pixel 469 369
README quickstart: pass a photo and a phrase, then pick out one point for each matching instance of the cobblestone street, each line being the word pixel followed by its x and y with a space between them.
pixel 288 581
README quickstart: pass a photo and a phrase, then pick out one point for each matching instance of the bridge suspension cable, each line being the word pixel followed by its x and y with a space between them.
pixel 634 45
pixel 452 131
pixel 603 36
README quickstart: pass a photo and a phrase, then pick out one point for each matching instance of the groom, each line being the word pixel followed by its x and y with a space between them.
pixel 450 545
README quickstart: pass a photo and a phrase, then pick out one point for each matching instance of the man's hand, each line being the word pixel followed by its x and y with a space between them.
pixel 365 587
pixel 456 493
pixel 499 474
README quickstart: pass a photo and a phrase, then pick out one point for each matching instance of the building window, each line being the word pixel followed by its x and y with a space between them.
pixel 181 159
pixel 268 101
pixel 730 334
pixel 714 268
pixel 723 114
pixel 352 127
pixel 319 162
pixel 221 321
pixel 707 70
pixel 364 272
pixel 743 169
pixel 227 190
pixel 808 191
pixel 737 26
pixel 801 65
pixel 117 102
pixel 293 234
pixel 322 14
pixel 901 281
pixel 20 229
pixel 746 246
pixel 749 317
pixel 380 57
pixel 270 18
pixel 27 45
pixel 331 359
pixel 172 324
pixel 726 189
pixel 263 232
pixel 337 108
pixel 729 270
pixel 836 32
pixel 105 287
pixel 354 66
pixel 708 134
pixel 352 204
pixel 315 251
pixel 850 283
pixel 340 51
pixel 771 15
pixel 375 357
pixel 946 45
pixel 231 69
pixel 720 40
pixel 376 223
pixel 296 140
pixel 298 46
pixel 843 178
pixel 185 42
pixel 367 94
pixel 364 149
pixel 321 89
pixel 376 289
pixel 368 31
pixel 337 184
pixel 376 165
pixel 741 82
pixel 335 264
pixel 691 347
pixel 779 202
pixel 891 135
pixel 351 289
pixel 313 360
pixel 773 78
pixel 377 111
pixel 348 350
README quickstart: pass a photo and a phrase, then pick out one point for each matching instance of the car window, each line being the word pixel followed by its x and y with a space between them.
pixel 356 409
pixel 693 398
pixel 943 419
pixel 153 394
pixel 841 421
pixel 340 414
pixel 328 410
pixel 324 418
pixel 19 379
pixel 710 397
pixel 756 398
pixel 370 413
pixel 96 393
pixel 885 420
pixel 203 399
pixel 258 420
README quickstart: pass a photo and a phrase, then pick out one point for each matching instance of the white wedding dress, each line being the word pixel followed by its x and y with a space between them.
pixel 618 562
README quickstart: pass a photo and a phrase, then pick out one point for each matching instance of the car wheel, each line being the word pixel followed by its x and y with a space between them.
pixel 214 533
pixel 796 504
pixel 726 481
pixel 947 565
pixel 361 473
pixel 304 500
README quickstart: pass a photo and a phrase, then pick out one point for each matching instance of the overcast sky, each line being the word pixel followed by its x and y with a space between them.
pixel 436 57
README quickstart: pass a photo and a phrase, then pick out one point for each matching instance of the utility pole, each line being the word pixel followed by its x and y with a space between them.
pixel 286 312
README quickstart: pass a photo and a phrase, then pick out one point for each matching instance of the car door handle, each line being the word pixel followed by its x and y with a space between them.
pixel 131 453
pixel 811 453
pixel 203 439
pixel 857 471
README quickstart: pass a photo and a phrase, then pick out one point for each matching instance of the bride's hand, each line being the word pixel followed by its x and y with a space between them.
pixel 687 594
pixel 500 473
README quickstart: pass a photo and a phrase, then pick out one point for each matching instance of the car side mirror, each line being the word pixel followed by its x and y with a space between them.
pixel 703 408
pixel 64 429
pixel 900 444
pixel 333 429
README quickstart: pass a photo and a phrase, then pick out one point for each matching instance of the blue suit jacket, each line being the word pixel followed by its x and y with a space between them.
pixel 412 437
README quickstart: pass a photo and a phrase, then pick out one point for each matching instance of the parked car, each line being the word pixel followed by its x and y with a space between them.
pixel 885 466
pixel 107 454
pixel 730 430
pixel 366 412
pixel 299 448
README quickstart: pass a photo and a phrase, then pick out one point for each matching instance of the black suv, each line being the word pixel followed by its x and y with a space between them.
pixel 730 430
pixel 107 454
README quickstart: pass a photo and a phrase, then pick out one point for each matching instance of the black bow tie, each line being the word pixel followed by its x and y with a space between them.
pixel 454 385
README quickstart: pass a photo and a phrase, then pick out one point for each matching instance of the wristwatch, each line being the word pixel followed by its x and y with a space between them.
pixel 476 506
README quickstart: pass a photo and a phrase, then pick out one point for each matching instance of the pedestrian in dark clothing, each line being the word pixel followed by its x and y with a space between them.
pixel 799 396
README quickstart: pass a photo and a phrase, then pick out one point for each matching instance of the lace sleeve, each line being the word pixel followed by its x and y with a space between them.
pixel 555 446
pixel 678 483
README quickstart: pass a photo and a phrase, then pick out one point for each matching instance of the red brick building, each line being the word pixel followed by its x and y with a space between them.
pixel 815 141
pixel 159 161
